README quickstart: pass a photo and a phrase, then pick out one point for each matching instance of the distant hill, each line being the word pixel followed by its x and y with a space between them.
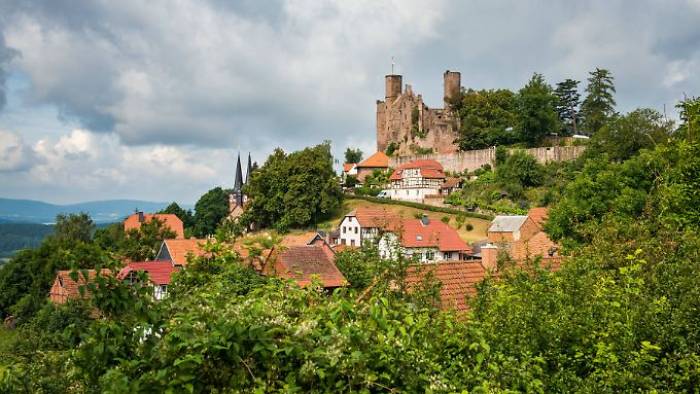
pixel 30 211
pixel 16 236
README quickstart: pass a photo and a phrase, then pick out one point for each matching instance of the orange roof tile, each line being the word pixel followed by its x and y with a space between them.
pixel 348 166
pixel 179 249
pixel 435 234
pixel 303 263
pixel 65 288
pixel 428 169
pixel 458 280
pixel 375 217
pixel 377 160
pixel 169 220
pixel 538 215
pixel 159 271
pixel 450 182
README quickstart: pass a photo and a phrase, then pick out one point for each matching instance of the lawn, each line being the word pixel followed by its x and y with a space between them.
pixel 478 232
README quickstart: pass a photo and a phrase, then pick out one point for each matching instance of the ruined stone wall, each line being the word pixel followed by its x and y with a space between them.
pixel 434 129
pixel 474 159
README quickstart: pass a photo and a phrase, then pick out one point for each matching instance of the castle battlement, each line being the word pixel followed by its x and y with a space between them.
pixel 405 120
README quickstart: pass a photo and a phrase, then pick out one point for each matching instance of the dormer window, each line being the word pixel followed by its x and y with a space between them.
pixel 419 237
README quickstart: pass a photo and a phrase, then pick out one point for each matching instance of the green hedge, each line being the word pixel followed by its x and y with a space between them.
pixel 422 206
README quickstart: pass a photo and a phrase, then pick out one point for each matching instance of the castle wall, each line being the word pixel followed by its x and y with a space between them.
pixel 474 159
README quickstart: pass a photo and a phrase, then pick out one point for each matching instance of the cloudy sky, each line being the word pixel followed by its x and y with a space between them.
pixel 153 100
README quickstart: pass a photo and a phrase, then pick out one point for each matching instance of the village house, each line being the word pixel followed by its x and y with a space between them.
pixel 378 161
pixel 159 274
pixel 64 288
pixel 520 237
pixel 178 250
pixel 170 221
pixel 306 263
pixel 416 180
pixel 426 240
pixel 363 225
pixel 349 169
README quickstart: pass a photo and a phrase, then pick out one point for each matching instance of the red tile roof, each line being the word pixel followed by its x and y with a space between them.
pixel 303 263
pixel 538 215
pixel 64 288
pixel 169 220
pixel 458 279
pixel 450 182
pixel 375 217
pixel 159 271
pixel 348 166
pixel 436 234
pixel 179 249
pixel 377 160
pixel 428 169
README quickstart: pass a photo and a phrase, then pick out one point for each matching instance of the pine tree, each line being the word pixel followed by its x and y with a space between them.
pixel 568 100
pixel 599 105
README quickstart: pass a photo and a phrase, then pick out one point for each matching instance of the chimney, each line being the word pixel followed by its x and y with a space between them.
pixel 489 257
pixel 425 220
pixel 141 217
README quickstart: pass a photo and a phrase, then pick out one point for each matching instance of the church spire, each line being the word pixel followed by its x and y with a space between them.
pixel 238 183
pixel 249 170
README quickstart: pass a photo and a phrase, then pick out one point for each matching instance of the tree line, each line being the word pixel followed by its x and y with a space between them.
pixel 503 117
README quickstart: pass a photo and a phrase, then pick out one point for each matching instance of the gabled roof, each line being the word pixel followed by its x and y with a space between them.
pixel 435 234
pixel 428 169
pixel 132 222
pixel 179 249
pixel 159 271
pixel 304 263
pixel 458 280
pixel 348 166
pixel 450 182
pixel 67 288
pixel 538 215
pixel 507 224
pixel 374 217
pixel 377 160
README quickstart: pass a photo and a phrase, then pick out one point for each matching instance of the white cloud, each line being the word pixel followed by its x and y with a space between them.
pixel 15 156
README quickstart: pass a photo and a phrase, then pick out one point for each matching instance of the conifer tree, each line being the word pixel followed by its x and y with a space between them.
pixel 568 100
pixel 599 105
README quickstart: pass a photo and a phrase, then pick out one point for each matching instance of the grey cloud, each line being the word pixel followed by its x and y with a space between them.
pixel 6 54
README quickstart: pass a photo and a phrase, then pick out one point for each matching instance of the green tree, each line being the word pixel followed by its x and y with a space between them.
pixel 568 101
pixel 73 228
pixel 487 118
pixel 520 168
pixel 295 190
pixel 184 215
pixel 210 210
pixel 536 111
pixel 143 244
pixel 353 155
pixel 599 105
pixel 690 118
pixel 625 136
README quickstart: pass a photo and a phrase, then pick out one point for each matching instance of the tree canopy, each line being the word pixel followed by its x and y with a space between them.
pixel 293 190
pixel 599 105
pixel 210 211
pixel 353 155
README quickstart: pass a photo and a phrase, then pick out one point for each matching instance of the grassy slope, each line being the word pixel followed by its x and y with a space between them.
pixel 478 233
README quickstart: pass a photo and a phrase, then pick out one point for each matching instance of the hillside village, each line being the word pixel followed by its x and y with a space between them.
pixel 440 256
pixel 459 266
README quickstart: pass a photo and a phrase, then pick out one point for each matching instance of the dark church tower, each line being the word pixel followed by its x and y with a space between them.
pixel 249 170
pixel 238 184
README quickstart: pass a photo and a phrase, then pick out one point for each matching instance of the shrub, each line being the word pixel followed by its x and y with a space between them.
pixel 469 227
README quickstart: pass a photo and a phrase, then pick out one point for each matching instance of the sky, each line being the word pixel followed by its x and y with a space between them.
pixel 154 100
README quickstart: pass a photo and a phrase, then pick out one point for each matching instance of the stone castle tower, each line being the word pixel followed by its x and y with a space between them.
pixel 403 118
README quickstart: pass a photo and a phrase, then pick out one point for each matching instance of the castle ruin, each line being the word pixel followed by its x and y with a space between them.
pixel 413 128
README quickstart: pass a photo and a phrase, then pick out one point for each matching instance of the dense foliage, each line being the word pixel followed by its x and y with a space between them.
pixel 293 190
pixel 599 105
pixel 210 211
pixel 353 155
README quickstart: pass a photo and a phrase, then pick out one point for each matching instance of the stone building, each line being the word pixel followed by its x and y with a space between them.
pixel 237 199
pixel 404 120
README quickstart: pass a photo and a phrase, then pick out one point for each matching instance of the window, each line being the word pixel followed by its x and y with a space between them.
pixel 355 230
pixel 342 241
pixel 344 229
pixel 350 219
pixel 352 242
pixel 430 255
pixel 448 255
pixel 419 237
